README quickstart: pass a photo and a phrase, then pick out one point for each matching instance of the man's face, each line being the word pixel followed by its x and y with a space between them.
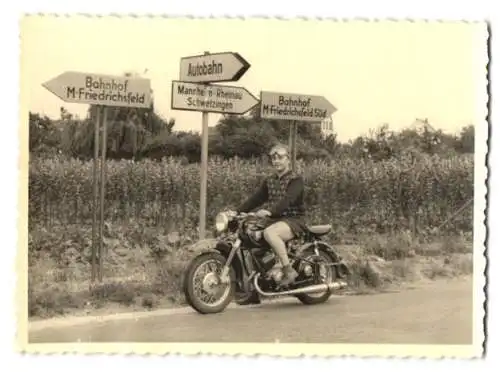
pixel 279 159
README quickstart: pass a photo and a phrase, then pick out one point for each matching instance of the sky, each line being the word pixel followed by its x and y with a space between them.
pixel 372 72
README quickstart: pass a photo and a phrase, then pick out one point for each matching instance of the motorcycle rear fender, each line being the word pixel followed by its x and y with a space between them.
pixel 329 250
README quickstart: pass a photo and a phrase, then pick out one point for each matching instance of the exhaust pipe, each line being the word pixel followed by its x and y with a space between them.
pixel 310 289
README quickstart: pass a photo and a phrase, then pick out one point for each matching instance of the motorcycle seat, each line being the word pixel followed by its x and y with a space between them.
pixel 319 229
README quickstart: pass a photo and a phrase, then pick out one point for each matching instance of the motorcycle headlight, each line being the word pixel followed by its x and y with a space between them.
pixel 221 222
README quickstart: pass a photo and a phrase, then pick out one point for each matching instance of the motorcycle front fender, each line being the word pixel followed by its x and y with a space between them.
pixel 221 247
pixel 237 262
pixel 202 246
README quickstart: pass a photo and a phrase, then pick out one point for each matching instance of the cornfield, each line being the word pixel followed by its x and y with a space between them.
pixel 350 194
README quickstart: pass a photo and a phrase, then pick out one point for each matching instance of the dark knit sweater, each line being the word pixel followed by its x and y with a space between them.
pixel 284 194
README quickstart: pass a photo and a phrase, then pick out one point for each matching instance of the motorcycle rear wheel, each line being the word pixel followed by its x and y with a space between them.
pixel 210 284
pixel 317 298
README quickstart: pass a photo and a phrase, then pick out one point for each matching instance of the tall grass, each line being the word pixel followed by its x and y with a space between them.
pixel 353 195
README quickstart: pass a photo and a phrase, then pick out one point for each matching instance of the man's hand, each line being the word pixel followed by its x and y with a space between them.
pixel 230 213
pixel 263 213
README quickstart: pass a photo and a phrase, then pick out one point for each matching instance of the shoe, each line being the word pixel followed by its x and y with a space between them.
pixel 254 299
pixel 289 276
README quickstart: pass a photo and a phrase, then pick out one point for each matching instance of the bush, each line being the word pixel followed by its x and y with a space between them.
pixel 140 265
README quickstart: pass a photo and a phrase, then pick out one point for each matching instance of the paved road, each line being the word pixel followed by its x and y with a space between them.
pixel 436 313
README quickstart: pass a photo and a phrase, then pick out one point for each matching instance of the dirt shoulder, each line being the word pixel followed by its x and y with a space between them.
pixel 137 279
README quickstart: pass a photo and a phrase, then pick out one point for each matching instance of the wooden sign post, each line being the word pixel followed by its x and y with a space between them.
pixel 294 108
pixel 195 92
pixel 103 91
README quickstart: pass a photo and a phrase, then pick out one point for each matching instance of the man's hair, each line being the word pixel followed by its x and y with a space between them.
pixel 278 147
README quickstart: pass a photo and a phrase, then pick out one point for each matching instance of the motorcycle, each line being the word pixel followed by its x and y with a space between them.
pixel 242 266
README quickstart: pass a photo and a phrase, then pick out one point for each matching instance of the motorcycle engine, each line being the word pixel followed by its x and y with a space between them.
pixel 275 274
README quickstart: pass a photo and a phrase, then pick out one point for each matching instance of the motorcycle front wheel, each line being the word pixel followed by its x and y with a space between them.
pixel 203 288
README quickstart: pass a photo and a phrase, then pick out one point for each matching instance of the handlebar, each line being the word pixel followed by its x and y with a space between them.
pixel 242 215
pixel 249 214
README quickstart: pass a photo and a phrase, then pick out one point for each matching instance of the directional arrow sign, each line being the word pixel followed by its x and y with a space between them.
pixel 97 89
pixel 215 67
pixel 291 106
pixel 211 98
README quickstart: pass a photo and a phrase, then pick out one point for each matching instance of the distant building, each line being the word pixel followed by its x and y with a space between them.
pixel 420 125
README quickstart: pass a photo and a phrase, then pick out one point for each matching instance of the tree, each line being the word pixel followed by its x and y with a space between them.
pixel 130 131
pixel 44 135
pixel 251 136
pixel 466 140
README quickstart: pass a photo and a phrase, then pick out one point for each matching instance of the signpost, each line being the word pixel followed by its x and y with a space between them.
pixel 193 92
pixel 102 91
pixel 294 107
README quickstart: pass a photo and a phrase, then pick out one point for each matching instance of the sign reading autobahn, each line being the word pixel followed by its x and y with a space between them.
pixel 216 67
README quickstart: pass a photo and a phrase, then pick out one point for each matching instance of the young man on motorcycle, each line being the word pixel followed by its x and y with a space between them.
pixel 284 190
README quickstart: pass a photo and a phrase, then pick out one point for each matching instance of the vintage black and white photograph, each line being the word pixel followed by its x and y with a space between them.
pixel 202 184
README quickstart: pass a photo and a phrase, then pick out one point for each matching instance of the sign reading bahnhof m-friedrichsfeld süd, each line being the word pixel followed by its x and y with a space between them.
pixel 291 106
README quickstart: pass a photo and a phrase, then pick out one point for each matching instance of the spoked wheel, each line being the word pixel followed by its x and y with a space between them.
pixel 327 274
pixel 203 287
